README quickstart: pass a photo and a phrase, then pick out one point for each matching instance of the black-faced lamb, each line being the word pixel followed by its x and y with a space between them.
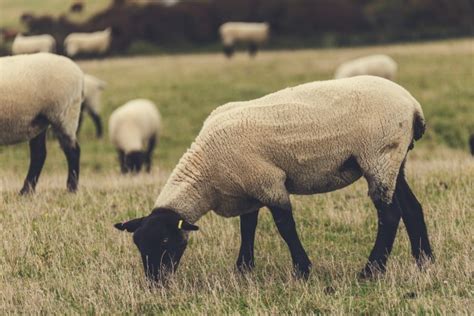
pixel 375 65
pixel 314 138
pixel 133 130
pixel 36 91
pixel 252 34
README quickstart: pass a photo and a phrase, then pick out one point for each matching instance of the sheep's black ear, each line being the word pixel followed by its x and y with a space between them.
pixel 131 225
pixel 184 225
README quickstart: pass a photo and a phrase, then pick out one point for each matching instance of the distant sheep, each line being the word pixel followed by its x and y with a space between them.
pixel 95 43
pixel 314 138
pixel 375 65
pixel 93 88
pixel 253 34
pixel 36 91
pixel 133 130
pixel 33 44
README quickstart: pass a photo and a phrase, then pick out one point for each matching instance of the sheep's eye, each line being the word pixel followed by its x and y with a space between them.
pixel 165 241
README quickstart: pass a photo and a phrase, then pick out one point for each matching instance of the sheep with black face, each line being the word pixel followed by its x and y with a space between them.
pixel 133 130
pixel 313 138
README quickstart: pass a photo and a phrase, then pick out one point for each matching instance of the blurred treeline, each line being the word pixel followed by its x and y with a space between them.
pixel 294 23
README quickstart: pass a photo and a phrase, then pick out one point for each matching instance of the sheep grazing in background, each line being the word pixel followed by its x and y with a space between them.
pixel 313 138
pixel 133 130
pixel 471 144
pixel 93 88
pixel 33 44
pixel 36 91
pixel 77 6
pixel 95 43
pixel 253 34
pixel 375 65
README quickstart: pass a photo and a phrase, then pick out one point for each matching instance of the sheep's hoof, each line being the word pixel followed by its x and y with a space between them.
pixel 370 272
pixel 301 271
pixel 425 261
pixel 26 190
pixel 72 188
pixel 245 267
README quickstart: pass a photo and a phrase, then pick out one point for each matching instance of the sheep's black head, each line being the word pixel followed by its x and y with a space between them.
pixel 134 161
pixel 161 239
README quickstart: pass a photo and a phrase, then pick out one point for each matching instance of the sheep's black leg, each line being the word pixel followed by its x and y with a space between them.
pixel 228 50
pixel 37 158
pixel 149 153
pixel 97 122
pixel 121 157
pixel 286 226
pixel 388 220
pixel 412 214
pixel 253 48
pixel 72 152
pixel 248 225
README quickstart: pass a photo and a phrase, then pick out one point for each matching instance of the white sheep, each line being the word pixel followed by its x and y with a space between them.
pixel 97 43
pixel 93 88
pixel 36 91
pixel 133 130
pixel 313 138
pixel 375 65
pixel 253 34
pixel 33 44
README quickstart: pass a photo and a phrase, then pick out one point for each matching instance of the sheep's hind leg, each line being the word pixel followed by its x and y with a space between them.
pixel 388 219
pixel 149 153
pixel 248 225
pixel 72 152
pixel 285 223
pixel 37 158
pixel 412 215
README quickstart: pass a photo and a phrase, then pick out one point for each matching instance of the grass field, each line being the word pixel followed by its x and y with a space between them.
pixel 60 253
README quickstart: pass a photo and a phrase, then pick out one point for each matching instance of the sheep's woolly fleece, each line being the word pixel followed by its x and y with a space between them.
pixel 295 141
pixel 89 43
pixel 374 65
pixel 33 44
pixel 133 124
pixel 36 90
pixel 232 32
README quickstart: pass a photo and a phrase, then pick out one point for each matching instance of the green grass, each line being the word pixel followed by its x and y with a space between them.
pixel 60 254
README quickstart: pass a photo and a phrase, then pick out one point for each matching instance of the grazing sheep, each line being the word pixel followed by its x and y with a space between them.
pixel 93 88
pixel 33 44
pixel 88 43
pixel 36 91
pixel 313 138
pixel 375 65
pixel 133 130
pixel 253 34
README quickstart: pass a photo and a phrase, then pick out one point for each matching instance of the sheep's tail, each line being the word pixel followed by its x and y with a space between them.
pixel 419 125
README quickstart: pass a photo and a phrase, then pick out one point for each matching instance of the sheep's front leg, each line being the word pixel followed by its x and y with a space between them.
pixel 248 225
pixel 388 220
pixel 37 158
pixel 97 122
pixel 286 226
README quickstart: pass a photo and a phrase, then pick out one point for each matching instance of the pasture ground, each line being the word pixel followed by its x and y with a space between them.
pixel 60 254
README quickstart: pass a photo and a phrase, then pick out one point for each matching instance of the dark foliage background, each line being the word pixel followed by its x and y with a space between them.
pixel 294 23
